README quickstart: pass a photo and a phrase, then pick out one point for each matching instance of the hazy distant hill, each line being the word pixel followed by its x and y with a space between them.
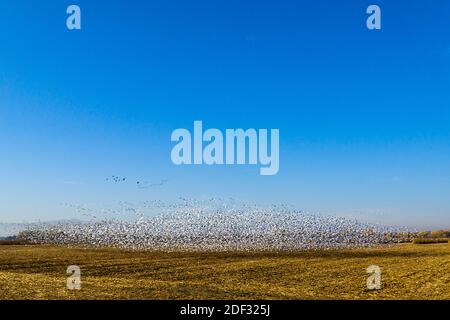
pixel 10 238
pixel 12 229
pixel 9 229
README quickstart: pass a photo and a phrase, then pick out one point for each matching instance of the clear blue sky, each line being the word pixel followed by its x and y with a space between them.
pixel 364 116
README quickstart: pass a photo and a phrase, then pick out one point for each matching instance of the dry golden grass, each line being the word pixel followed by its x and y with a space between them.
pixel 408 272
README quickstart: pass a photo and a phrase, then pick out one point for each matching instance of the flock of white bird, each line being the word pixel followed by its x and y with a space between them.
pixel 215 225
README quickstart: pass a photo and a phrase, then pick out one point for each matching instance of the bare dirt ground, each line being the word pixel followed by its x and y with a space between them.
pixel 408 272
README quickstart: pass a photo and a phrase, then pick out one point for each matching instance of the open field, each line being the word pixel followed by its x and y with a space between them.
pixel 408 272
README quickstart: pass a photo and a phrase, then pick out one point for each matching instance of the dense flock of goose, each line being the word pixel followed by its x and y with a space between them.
pixel 214 225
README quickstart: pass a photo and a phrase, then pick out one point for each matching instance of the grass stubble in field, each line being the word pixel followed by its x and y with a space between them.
pixel 408 272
